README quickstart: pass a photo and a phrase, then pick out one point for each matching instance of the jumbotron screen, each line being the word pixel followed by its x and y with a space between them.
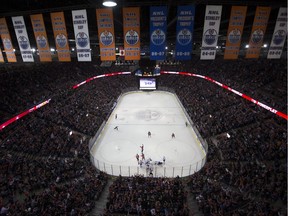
pixel 147 83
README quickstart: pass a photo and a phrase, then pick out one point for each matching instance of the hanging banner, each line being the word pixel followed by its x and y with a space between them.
pixel 82 40
pixel 235 30
pixel 1 57
pixel 6 40
pixel 210 32
pixel 158 28
pixel 258 31
pixel 22 38
pixel 106 34
pixel 41 37
pixel 184 32
pixel 131 29
pixel 60 35
pixel 279 35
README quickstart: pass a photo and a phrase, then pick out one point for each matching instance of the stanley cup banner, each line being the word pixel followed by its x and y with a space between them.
pixel 158 28
pixel 60 35
pixel 22 38
pixel 279 35
pixel 235 30
pixel 131 29
pixel 6 39
pixel 211 31
pixel 82 40
pixel 1 57
pixel 258 31
pixel 106 34
pixel 41 37
pixel 184 32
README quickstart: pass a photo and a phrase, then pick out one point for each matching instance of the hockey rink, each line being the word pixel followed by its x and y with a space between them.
pixel 127 128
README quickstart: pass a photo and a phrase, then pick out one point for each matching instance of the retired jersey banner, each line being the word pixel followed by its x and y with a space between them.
pixel 41 37
pixel 22 38
pixel 1 57
pixel 6 39
pixel 258 31
pixel 82 40
pixel 106 34
pixel 235 30
pixel 131 29
pixel 158 28
pixel 184 32
pixel 60 36
pixel 210 32
pixel 279 35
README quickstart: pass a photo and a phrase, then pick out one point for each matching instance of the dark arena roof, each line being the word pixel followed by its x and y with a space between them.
pixel 51 113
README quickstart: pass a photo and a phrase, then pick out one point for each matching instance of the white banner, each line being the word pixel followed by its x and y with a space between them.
pixel 22 38
pixel 279 35
pixel 210 32
pixel 80 24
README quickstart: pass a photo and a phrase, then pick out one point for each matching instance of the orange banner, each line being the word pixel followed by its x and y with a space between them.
pixel 41 37
pixel 235 30
pixel 60 35
pixel 131 29
pixel 258 31
pixel 1 56
pixel 106 34
pixel 6 39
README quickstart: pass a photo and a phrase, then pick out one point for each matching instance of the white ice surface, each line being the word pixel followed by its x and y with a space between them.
pixel 137 113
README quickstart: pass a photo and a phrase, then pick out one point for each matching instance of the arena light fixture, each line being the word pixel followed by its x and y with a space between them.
pixel 109 3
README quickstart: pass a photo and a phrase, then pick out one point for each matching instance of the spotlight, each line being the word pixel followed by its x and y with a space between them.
pixel 109 3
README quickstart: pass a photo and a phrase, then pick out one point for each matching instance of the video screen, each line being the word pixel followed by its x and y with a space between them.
pixel 147 83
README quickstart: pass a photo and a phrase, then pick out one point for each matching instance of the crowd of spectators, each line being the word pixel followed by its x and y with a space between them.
pixel 139 195
pixel 45 165
pixel 246 172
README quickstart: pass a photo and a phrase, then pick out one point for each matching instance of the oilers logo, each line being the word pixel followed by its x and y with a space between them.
pixel 257 36
pixel 234 36
pixel 61 40
pixel 7 43
pixel 184 37
pixel 82 39
pixel 41 41
pixel 131 37
pixel 158 37
pixel 23 42
pixel 210 36
pixel 279 37
pixel 106 38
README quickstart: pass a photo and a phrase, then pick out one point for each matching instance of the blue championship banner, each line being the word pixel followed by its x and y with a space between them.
pixel 184 32
pixel 158 28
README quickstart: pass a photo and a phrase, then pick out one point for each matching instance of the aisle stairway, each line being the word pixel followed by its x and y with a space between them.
pixel 100 204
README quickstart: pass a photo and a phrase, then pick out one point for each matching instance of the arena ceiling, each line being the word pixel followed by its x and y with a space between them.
pixel 28 7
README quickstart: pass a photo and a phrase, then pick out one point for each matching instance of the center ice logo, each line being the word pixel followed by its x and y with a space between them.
pixel 131 37
pixel 82 39
pixel 41 41
pixel 7 43
pixel 106 38
pixel 23 42
pixel 234 36
pixel 210 36
pixel 184 37
pixel 279 37
pixel 257 36
pixel 61 40
pixel 158 37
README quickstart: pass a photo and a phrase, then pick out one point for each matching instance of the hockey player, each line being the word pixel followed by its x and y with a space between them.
pixel 149 134
pixel 142 148
pixel 173 135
